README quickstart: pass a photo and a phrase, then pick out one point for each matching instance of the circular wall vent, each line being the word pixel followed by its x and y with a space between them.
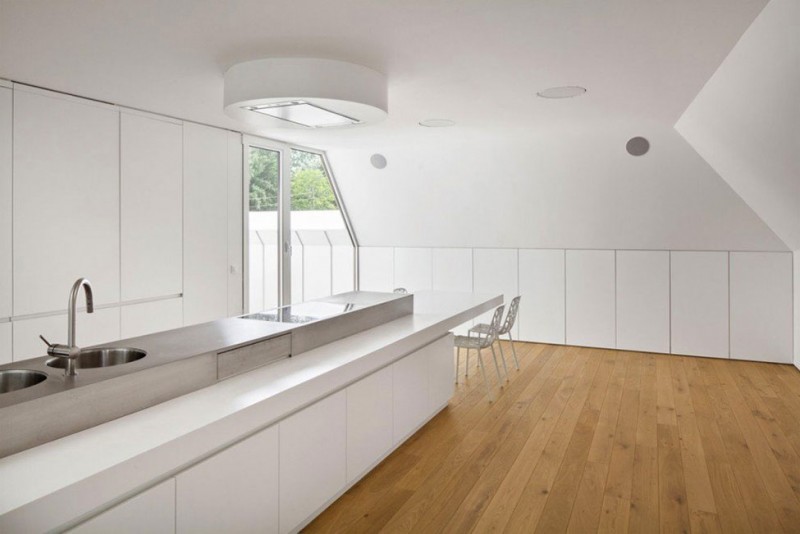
pixel 378 161
pixel 637 146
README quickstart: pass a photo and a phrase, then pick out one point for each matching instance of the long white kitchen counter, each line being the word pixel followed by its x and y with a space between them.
pixel 66 480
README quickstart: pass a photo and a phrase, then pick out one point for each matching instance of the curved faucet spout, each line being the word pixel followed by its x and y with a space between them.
pixel 73 302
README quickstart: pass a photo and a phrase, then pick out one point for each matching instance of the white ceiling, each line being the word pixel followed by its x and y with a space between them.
pixel 479 63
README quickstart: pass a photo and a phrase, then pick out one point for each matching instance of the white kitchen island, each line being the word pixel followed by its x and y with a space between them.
pixel 263 451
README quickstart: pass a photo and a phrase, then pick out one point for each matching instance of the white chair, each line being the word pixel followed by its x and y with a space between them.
pixel 508 325
pixel 479 343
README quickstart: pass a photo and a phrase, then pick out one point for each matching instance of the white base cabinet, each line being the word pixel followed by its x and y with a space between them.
pixel 369 422
pixel 152 511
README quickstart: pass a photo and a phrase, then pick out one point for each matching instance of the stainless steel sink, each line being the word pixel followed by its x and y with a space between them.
pixel 102 357
pixel 14 379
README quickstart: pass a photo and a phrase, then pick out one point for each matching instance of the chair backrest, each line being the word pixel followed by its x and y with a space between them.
pixel 494 328
pixel 511 317
pixel 401 290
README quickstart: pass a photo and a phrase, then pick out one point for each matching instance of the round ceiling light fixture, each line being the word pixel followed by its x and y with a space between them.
pixel 437 123
pixel 566 91
pixel 637 146
pixel 305 93
pixel 378 161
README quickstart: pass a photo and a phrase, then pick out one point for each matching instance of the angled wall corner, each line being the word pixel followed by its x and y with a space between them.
pixel 745 122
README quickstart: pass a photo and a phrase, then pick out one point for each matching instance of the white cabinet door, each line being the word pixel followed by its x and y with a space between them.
pixel 369 421
pixel 495 271
pixel 235 230
pixel 5 343
pixel 699 303
pixel 542 287
pixel 412 268
pixel 376 268
pixel 66 200
pixel 643 300
pixel 205 224
pixel 5 202
pixel 410 378
pixel 151 206
pixel 149 317
pixel 96 328
pixel 152 511
pixel 590 298
pixel 313 459
pixel 761 306
pixel 233 491
pixel 441 370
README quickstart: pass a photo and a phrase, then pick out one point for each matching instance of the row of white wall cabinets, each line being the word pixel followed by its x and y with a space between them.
pixel 720 304
pixel 146 207
pixel 280 478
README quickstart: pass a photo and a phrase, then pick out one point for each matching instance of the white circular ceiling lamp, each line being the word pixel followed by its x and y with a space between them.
pixel 437 123
pixel 305 93
pixel 565 91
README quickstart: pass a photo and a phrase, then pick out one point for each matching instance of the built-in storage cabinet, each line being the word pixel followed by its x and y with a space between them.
pixel 150 317
pixel 412 268
pixel 376 271
pixel 66 199
pixel 590 298
pixel 495 270
pixel 235 490
pixel 151 212
pixel 5 203
pixel 643 300
pixel 5 343
pixel 441 372
pixel 152 511
pixel 541 285
pixel 410 379
pixel 102 326
pixel 205 224
pixel 369 422
pixel 313 459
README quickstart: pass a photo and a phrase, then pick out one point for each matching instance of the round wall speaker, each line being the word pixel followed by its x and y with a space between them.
pixel 637 146
pixel 378 161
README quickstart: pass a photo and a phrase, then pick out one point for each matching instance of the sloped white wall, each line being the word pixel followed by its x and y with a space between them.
pixel 460 187
pixel 746 120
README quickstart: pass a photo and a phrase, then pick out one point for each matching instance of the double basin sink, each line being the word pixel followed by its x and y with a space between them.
pixel 16 379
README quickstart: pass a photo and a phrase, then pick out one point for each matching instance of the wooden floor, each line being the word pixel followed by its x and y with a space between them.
pixel 585 440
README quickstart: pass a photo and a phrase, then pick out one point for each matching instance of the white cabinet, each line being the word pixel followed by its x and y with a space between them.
pixel 699 303
pixel 761 306
pixel 590 298
pixel 235 229
pixel 441 371
pixel 149 317
pixel 452 269
pixel 5 343
pixel 369 421
pixel 643 300
pixel 66 199
pixel 412 268
pixel 205 223
pixel 376 268
pixel 495 271
pixel 102 326
pixel 234 491
pixel 5 202
pixel 152 511
pixel 410 378
pixel 151 213
pixel 313 459
pixel 542 286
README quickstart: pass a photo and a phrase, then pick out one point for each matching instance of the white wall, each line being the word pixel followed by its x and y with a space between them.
pixel 745 120
pixel 647 301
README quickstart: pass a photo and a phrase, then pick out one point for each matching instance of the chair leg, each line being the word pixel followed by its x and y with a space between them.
pixel 458 361
pixel 485 380
pixel 502 357
pixel 496 367
pixel 513 350
pixel 466 367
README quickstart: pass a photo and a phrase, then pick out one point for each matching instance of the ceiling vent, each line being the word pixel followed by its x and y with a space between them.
pixel 305 93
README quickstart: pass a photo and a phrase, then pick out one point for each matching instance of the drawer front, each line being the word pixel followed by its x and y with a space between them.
pixel 247 358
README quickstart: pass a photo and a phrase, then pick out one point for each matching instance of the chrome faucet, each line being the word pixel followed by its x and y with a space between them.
pixel 70 351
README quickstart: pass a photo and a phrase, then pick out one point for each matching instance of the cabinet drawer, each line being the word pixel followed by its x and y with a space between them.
pixel 249 357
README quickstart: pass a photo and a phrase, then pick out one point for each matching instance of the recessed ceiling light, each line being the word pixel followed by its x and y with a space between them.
pixel 567 91
pixel 437 123
pixel 637 146
pixel 378 161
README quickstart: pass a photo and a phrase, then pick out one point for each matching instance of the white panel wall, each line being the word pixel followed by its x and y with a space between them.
pixel 317 266
pixel 452 269
pixel 235 225
pixel 643 300
pixel 376 268
pixel 102 326
pixel 66 200
pixel 495 271
pixel 412 268
pixel 5 343
pixel 699 303
pixel 542 286
pixel 151 207
pixel 591 298
pixel 761 306
pixel 205 223
pixel 149 317
pixel 5 202
pixel 342 261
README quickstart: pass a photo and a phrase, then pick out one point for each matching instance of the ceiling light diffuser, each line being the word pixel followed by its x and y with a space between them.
pixel 566 91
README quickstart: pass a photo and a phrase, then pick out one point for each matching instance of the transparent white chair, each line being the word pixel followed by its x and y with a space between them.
pixel 479 343
pixel 508 325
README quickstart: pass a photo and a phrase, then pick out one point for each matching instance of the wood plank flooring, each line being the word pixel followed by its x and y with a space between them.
pixel 584 440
